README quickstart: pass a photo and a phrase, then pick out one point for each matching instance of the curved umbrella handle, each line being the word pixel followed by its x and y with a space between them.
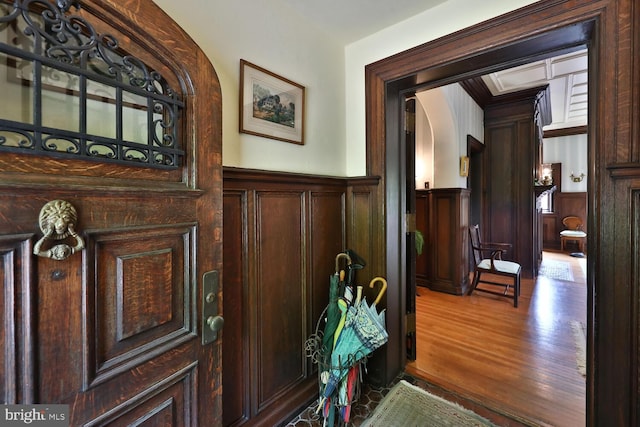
pixel 342 255
pixel 382 289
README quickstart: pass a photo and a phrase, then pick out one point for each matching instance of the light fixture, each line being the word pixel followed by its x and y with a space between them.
pixel 576 178
pixel 547 174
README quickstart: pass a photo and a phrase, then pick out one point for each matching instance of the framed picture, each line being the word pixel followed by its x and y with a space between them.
pixel 270 105
pixel 464 166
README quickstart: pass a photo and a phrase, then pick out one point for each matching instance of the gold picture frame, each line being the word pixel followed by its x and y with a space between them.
pixel 464 166
pixel 271 106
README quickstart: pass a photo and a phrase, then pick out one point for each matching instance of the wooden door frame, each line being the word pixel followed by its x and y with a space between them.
pixel 531 33
pixel 474 183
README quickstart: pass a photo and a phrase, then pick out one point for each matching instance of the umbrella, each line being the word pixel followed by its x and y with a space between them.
pixel 350 381
pixel 343 306
pixel 333 311
pixel 357 263
pixel 335 308
pixel 364 331
pixel 348 384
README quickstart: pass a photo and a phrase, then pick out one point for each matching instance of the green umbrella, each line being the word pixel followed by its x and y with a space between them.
pixel 364 331
pixel 333 311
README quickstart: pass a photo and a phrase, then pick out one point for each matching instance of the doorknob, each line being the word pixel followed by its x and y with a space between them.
pixel 58 220
pixel 215 323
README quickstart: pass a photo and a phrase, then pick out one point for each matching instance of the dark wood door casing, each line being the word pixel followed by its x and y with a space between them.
pixel 113 331
pixel 611 30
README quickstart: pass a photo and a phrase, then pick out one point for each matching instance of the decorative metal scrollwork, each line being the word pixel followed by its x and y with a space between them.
pixel 56 52
pixel 58 220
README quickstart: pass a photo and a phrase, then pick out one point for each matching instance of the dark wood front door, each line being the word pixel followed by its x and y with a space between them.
pixel 114 329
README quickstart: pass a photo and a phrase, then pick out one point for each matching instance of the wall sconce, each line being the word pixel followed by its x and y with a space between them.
pixel 576 178
pixel 547 174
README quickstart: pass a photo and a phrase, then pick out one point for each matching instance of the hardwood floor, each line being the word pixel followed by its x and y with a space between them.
pixel 517 361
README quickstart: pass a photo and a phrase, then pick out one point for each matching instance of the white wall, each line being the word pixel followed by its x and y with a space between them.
pixel 424 149
pixel 272 36
pixel 571 151
pixel 436 22
pixel 452 115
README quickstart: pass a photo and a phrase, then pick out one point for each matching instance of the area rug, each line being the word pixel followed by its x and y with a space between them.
pixel 580 338
pixel 408 405
pixel 558 270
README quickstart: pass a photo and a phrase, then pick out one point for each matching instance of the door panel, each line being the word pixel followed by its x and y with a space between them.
pixel 141 295
pixel 113 330
pixel 116 324
pixel 17 327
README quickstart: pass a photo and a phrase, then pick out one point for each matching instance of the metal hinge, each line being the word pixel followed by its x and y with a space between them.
pixel 410 323
pixel 410 222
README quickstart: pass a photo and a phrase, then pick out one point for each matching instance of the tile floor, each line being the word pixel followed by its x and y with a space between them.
pixel 370 397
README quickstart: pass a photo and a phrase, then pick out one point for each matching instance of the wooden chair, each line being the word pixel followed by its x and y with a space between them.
pixel 573 232
pixel 493 264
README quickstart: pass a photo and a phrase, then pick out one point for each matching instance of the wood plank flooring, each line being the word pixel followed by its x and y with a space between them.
pixel 517 361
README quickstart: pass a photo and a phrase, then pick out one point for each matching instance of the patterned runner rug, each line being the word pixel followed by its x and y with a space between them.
pixel 580 338
pixel 558 270
pixel 407 405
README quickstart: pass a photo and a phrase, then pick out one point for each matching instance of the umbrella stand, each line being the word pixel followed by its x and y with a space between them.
pixel 335 409
pixel 340 366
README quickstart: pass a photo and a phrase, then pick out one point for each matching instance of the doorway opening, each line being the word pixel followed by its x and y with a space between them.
pixel 555 42
pixel 439 334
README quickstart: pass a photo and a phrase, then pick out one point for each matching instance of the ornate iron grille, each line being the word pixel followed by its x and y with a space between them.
pixel 73 93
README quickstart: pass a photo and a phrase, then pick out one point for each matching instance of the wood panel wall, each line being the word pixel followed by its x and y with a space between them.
pixel 511 157
pixel 281 235
pixel 565 204
pixel 443 217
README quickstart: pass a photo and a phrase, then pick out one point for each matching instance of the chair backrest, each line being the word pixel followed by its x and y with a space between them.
pixel 474 238
pixel 572 222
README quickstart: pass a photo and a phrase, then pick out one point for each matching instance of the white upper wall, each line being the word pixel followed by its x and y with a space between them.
pixel 452 115
pixel 273 37
pixel 424 163
pixel 439 21
pixel 571 151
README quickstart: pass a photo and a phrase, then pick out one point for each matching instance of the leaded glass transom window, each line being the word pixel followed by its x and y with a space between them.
pixel 68 91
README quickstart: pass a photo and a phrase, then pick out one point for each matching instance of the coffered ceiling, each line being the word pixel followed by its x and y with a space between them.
pixel 567 79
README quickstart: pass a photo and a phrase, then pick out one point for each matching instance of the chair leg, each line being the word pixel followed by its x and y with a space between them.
pixel 474 283
pixel 516 291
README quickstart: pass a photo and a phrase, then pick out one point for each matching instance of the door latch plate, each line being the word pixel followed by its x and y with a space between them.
pixel 211 322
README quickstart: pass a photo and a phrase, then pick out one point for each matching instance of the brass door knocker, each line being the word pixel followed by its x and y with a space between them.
pixel 58 220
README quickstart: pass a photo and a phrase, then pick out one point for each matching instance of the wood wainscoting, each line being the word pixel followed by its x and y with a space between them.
pixel 282 232
pixel 564 204
pixel 443 217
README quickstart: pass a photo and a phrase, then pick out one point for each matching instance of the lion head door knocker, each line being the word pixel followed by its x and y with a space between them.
pixel 58 220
